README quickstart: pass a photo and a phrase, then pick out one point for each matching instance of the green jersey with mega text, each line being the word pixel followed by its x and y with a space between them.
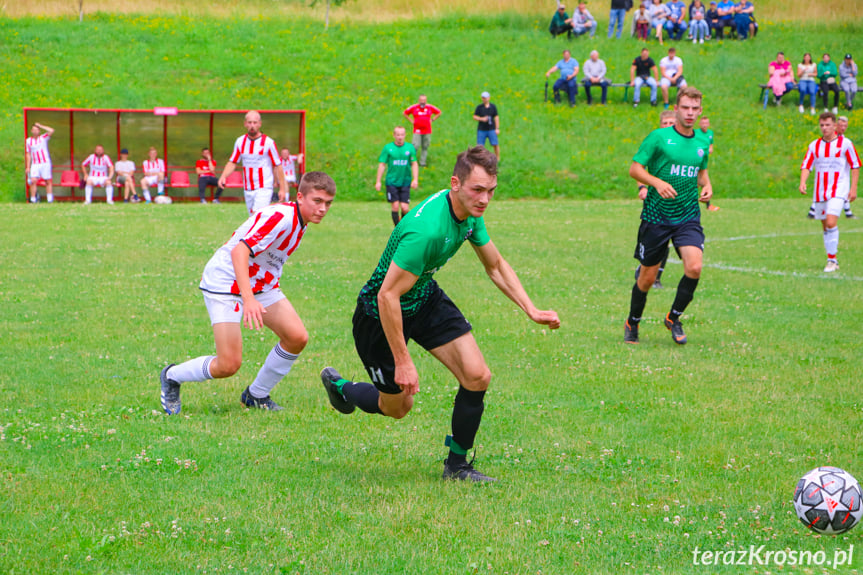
pixel 423 241
pixel 398 160
pixel 677 159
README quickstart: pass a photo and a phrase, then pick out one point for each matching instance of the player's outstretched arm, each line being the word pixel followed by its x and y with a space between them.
pixel 505 278
pixel 705 185
pixel 397 283
pixel 640 174
pixel 253 311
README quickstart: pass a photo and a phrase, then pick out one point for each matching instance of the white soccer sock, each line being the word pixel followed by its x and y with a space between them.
pixel 277 365
pixel 197 369
pixel 161 188
pixel 831 241
pixel 50 198
pixel 109 193
pixel 88 193
pixel 147 194
pixel 847 206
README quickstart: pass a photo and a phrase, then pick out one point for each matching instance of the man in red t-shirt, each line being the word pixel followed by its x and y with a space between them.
pixel 206 169
pixel 422 114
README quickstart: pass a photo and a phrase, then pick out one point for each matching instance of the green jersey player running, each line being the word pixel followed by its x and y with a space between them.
pixel 673 163
pixel 402 301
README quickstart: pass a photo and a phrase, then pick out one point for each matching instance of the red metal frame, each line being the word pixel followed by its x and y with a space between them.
pixel 120 111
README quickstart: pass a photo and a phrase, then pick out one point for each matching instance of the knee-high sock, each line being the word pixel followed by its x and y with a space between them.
pixel 161 186
pixel 363 395
pixel 109 193
pixel 466 416
pixel 396 218
pixel 88 193
pixel 197 369
pixel 277 365
pixel 685 293
pixel 147 194
pixel 636 304
pixel 831 242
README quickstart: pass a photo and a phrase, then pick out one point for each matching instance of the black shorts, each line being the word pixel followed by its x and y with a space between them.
pixel 439 321
pixel 399 194
pixel 653 240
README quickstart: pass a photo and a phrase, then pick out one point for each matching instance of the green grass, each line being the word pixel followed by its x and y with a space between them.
pixel 355 80
pixel 610 458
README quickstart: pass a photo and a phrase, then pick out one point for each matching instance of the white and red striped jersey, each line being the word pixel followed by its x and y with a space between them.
pixel 832 162
pixel 98 165
pixel 258 157
pixel 290 168
pixel 38 149
pixel 271 234
pixel 157 165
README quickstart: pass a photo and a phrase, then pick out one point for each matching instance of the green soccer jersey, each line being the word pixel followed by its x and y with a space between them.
pixel 709 134
pixel 423 241
pixel 398 160
pixel 676 159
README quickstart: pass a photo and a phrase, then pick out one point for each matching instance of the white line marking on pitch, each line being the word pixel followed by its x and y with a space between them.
pixel 801 275
pixel 769 236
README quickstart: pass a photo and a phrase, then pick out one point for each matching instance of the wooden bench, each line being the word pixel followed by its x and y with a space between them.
pixel 764 97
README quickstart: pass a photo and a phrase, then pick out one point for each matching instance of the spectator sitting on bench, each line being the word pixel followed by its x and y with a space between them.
pixel 827 74
pixel 698 27
pixel 583 21
pixel 568 80
pixel 713 21
pixel 642 22
pixel 594 75
pixel 807 73
pixel 658 18
pixel 743 19
pixel 726 17
pixel 125 170
pixel 560 23
pixel 205 167
pixel 639 74
pixel 848 80
pixel 676 24
pixel 781 77
pixel 671 70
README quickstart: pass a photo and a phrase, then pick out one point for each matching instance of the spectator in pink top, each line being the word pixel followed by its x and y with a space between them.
pixel 422 114
pixel 781 77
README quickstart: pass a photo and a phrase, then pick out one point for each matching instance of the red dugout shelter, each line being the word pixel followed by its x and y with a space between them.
pixel 179 136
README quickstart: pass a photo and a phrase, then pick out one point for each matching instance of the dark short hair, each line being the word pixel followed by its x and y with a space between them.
pixel 688 92
pixel 472 157
pixel 317 181
pixel 827 116
pixel 204 149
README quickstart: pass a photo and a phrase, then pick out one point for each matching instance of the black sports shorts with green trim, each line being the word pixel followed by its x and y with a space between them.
pixel 437 322
pixel 653 240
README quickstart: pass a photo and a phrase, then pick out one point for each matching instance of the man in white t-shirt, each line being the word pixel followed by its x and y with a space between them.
pixel 837 168
pixel 259 156
pixel 125 170
pixel 154 174
pixel 241 286
pixel 98 171
pixel 671 70
pixel 37 161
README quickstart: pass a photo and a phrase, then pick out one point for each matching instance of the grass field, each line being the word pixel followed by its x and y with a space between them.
pixel 610 458
pixel 355 80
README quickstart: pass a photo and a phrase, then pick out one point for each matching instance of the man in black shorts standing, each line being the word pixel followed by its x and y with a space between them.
pixel 399 160
pixel 672 162
pixel 401 301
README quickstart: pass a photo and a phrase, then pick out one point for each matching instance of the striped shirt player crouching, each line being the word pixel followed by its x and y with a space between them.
pixel 37 161
pixel 241 286
pixel 101 171
pixel 259 156
pixel 837 169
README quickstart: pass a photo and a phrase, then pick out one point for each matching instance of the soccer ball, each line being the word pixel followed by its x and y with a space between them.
pixel 162 199
pixel 827 500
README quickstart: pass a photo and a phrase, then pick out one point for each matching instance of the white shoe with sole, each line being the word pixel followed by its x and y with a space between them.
pixel 831 266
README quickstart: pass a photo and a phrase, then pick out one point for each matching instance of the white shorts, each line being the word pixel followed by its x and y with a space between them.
pixel 666 83
pixel 258 199
pixel 225 308
pixel 150 180
pixel 40 172
pixel 832 207
pixel 100 181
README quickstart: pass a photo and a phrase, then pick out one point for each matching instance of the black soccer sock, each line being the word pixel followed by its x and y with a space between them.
pixel 466 415
pixel 396 218
pixel 363 395
pixel 636 304
pixel 685 293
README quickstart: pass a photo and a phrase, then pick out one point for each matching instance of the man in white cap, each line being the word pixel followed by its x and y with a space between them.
pixel 489 123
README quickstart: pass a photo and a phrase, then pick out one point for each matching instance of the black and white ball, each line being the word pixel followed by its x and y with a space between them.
pixel 827 500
